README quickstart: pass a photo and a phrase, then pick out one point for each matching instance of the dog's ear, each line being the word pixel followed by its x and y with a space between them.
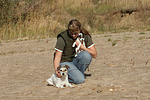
pixel 67 66
pixel 58 68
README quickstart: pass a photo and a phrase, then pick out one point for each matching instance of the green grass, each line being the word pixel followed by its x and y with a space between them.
pixel 104 8
pixel 109 39
pixel 100 17
pixel 142 33
pixel 107 35
pixel 73 12
pixel 114 43
pixel 0 43
pixel 126 38
pixel 125 28
pixel 148 29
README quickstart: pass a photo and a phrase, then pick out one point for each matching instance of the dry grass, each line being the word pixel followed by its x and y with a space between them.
pixel 40 19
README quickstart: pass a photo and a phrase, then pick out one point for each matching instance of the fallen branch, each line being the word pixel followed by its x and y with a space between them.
pixel 146 62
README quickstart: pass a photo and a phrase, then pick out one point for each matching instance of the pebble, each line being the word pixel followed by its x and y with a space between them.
pixel 98 85
pixel 110 90
pixel 99 91
pixel 112 85
pixel 138 92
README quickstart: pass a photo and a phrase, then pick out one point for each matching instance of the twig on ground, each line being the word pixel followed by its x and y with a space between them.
pixel 146 62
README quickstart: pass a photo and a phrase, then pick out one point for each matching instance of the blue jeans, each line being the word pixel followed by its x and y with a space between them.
pixel 78 67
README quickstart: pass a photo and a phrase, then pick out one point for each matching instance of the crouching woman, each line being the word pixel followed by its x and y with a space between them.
pixel 65 53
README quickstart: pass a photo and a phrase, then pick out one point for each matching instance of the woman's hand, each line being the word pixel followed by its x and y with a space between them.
pixel 56 62
pixel 58 74
pixel 92 50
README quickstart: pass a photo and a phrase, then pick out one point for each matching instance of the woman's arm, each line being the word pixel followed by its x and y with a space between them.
pixel 56 62
pixel 92 50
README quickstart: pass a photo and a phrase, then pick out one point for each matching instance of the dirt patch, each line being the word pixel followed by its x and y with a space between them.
pixel 121 71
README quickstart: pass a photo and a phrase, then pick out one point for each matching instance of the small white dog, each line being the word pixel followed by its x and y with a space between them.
pixel 80 39
pixel 60 82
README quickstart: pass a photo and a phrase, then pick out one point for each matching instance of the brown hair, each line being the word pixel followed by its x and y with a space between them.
pixel 75 25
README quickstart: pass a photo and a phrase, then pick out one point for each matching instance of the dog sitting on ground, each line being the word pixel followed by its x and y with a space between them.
pixel 80 39
pixel 60 82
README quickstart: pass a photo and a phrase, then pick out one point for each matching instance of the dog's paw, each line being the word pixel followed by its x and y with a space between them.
pixel 70 85
pixel 61 87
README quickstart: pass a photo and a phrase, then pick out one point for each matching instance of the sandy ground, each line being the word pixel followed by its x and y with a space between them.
pixel 120 72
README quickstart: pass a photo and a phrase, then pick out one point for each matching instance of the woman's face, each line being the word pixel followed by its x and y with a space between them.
pixel 74 34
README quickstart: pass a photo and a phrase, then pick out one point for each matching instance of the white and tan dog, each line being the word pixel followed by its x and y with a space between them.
pixel 60 82
pixel 80 39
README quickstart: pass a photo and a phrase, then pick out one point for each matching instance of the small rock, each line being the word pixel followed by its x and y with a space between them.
pixel 138 91
pixel 98 85
pixel 112 85
pixel 99 91
pixel 110 90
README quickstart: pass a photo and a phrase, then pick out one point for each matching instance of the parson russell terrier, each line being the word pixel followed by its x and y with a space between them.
pixel 60 82
pixel 80 39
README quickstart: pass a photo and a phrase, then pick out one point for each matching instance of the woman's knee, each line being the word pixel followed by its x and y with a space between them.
pixel 86 55
pixel 78 80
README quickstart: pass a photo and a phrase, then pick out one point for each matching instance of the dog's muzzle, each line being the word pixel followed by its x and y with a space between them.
pixel 63 74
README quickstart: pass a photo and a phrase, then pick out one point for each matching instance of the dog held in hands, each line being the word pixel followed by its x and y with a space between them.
pixel 60 82
pixel 80 39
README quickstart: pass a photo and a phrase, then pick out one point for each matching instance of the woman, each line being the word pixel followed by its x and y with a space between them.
pixel 65 53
